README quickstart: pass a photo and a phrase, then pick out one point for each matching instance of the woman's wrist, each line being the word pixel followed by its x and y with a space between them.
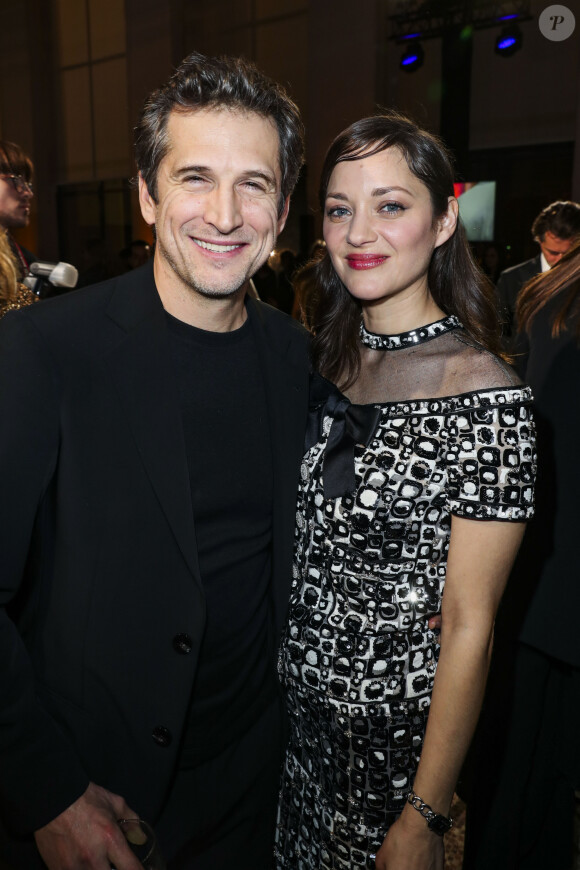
pixel 438 823
pixel 412 822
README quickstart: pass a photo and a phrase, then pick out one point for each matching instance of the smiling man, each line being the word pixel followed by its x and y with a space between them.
pixel 151 430
pixel 217 209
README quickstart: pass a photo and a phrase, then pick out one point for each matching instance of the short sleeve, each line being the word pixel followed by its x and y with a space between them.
pixel 491 460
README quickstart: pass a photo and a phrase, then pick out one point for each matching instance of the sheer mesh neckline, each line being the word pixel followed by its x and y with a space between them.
pixel 411 338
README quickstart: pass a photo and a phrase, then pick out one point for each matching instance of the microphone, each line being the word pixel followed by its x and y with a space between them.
pixel 59 274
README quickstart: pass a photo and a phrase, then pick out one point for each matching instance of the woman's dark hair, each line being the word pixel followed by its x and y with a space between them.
pixel 562 279
pixel 455 281
pixel 233 83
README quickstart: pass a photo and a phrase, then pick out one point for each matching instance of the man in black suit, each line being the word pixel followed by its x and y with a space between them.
pixel 554 229
pixel 151 429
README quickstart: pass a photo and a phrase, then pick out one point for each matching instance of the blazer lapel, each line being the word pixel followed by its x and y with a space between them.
pixel 141 368
pixel 284 366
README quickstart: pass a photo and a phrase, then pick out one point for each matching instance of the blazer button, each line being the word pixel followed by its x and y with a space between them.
pixel 182 643
pixel 162 735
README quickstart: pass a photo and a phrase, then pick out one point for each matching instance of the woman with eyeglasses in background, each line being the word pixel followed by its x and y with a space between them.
pixel 15 196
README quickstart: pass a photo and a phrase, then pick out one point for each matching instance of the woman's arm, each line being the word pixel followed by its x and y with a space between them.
pixel 480 558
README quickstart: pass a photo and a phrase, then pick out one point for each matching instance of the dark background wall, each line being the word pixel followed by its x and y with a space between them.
pixel 74 73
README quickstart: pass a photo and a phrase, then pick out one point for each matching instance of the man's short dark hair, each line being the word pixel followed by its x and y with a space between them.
pixel 13 161
pixel 219 82
pixel 562 219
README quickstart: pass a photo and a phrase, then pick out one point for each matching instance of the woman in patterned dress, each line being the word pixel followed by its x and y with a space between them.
pixel 418 475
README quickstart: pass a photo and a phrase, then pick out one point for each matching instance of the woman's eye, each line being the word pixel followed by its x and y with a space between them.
pixel 392 208
pixel 336 211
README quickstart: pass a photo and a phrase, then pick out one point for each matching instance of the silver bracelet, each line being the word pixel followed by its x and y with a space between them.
pixel 436 822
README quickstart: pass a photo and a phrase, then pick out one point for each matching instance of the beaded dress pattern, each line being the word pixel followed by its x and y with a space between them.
pixel 357 660
pixel 23 297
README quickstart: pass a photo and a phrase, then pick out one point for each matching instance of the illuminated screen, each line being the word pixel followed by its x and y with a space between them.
pixel 477 209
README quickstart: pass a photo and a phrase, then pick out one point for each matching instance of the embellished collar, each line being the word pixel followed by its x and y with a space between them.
pixel 411 338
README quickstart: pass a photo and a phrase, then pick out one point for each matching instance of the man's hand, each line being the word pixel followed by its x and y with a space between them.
pixel 86 835
pixel 434 622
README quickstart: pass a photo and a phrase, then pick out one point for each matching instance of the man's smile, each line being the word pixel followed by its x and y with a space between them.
pixel 217 247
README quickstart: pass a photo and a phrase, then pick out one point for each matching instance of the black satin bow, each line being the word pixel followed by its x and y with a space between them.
pixel 352 424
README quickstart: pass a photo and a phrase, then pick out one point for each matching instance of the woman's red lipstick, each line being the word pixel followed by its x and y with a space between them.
pixel 365 261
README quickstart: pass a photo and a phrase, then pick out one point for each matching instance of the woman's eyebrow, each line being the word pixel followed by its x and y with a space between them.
pixel 381 191
pixel 378 191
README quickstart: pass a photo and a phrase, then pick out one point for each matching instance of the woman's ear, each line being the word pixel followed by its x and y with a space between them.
pixel 447 223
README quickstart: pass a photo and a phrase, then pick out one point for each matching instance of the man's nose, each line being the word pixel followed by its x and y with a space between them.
pixel 223 210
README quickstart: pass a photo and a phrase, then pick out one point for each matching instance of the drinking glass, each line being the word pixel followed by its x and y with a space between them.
pixel 143 843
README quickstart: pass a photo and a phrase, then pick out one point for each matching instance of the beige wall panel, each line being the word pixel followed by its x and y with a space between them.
pixel 107 27
pixel 88 208
pixel 77 125
pixel 227 14
pixel 529 98
pixel 16 109
pixel 282 52
pixel 149 50
pixel 71 23
pixel 274 8
pixel 236 42
pixel 222 27
pixel 342 75
pixel 113 156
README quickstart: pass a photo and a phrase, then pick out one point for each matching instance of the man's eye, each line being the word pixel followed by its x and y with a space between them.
pixel 254 185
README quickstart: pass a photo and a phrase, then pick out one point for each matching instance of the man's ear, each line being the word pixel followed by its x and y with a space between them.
pixel 147 203
pixel 447 223
pixel 282 219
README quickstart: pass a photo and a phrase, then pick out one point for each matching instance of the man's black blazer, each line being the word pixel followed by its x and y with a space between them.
pixel 509 284
pixel 98 560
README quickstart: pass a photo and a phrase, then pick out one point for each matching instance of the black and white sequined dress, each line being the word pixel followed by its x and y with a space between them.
pixel 357 660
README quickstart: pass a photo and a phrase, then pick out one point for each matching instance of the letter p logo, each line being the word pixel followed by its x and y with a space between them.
pixel 557 23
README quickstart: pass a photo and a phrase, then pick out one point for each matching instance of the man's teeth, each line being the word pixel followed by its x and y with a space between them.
pixel 219 249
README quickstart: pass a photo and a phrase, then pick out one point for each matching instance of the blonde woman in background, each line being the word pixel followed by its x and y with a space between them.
pixel 13 294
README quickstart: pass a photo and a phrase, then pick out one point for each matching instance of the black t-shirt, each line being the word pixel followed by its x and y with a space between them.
pixel 227 437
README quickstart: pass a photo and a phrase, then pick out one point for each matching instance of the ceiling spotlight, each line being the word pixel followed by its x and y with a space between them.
pixel 509 41
pixel 412 58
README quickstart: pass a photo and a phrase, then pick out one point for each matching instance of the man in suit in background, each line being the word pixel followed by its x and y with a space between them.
pixel 151 430
pixel 555 230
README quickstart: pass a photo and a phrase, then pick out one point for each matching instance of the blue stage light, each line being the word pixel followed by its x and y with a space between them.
pixel 509 41
pixel 412 58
